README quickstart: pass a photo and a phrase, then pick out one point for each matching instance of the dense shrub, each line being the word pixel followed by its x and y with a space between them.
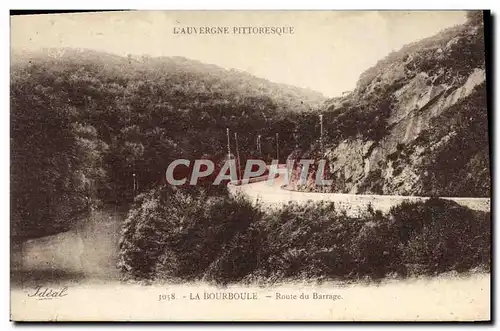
pixel 306 241
pixel 440 235
pixel 171 235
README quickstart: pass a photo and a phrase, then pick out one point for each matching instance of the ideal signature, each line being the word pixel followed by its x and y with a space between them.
pixel 41 292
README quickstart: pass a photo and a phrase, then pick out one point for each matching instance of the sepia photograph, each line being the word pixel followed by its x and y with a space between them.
pixel 250 166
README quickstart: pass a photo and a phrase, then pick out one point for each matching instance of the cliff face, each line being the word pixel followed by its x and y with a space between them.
pixel 420 121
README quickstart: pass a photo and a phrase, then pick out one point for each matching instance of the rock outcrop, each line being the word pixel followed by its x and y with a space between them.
pixel 421 119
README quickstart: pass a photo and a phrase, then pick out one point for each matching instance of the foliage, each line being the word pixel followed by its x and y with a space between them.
pixel 460 166
pixel 441 235
pixel 176 234
pixel 88 127
pixel 418 100
pixel 51 160
pixel 228 240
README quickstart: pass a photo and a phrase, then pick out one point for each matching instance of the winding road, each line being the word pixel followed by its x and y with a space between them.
pixel 84 260
pixel 89 251
pixel 270 192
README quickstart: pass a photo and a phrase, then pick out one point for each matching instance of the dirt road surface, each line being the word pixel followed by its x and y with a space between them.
pixel 270 192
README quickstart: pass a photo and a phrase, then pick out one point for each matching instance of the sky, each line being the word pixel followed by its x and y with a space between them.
pixel 327 51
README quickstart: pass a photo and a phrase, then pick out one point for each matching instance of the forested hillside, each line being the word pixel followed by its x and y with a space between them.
pixel 83 123
pixel 417 122
pixel 90 129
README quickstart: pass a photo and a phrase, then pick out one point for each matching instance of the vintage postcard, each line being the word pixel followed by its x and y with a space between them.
pixel 250 166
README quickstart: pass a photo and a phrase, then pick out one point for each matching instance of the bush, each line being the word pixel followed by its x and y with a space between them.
pixel 440 236
pixel 376 247
pixel 172 235
pixel 310 240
